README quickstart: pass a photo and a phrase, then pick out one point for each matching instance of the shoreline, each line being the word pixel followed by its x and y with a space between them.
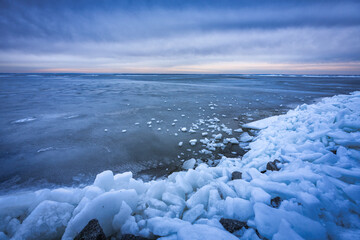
pixel 318 184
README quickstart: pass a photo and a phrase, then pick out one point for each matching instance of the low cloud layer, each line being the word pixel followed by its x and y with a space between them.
pixel 180 36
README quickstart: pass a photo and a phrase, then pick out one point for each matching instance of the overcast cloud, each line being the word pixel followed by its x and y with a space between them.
pixel 180 36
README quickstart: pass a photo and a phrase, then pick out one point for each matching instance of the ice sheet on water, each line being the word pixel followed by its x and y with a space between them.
pixel 318 185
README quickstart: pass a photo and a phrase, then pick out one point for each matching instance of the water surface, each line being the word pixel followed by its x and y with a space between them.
pixel 63 129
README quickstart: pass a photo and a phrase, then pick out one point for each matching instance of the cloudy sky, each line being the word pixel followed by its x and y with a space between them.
pixel 203 36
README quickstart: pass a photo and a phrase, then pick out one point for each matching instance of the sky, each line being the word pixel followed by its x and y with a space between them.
pixel 171 36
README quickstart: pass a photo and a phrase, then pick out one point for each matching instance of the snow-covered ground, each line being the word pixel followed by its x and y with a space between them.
pixel 318 149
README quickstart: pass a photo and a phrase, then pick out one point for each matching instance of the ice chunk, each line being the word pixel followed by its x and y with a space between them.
pixel 238 208
pixel 183 129
pixel 103 208
pixel 13 226
pixel 245 137
pixel 268 220
pixel 92 191
pixel 286 232
pixel 238 130
pixel 200 197
pixel 68 195
pixel 122 180
pixel 218 136
pixel 3 236
pixel 47 221
pixel 259 195
pixel 104 180
pixel 156 190
pixel 130 226
pixel 225 190
pixel 157 204
pixel 183 184
pixel 121 217
pixel 163 226
pixel 192 214
pixel 173 199
pixel 233 141
pixel 353 191
pixel 193 142
pixel 200 232
pixel 261 124
pixel 214 199
pixel 189 164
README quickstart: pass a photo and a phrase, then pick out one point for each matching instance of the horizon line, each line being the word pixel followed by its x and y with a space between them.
pixel 164 73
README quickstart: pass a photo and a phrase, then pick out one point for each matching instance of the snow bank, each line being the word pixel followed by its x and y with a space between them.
pixel 317 189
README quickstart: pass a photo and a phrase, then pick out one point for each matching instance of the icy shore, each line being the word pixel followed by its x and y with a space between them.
pixel 318 184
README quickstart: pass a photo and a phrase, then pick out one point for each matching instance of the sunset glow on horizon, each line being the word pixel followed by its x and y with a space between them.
pixel 245 37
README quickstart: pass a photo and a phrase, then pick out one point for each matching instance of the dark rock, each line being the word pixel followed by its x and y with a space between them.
pixel 232 225
pixel 263 171
pixel 272 165
pixel 132 237
pixel 92 231
pixel 236 175
pixel 275 202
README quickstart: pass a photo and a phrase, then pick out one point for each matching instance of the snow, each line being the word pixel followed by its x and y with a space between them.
pixel 318 183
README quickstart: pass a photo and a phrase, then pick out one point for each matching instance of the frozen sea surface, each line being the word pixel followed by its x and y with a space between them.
pixel 300 180
pixel 63 129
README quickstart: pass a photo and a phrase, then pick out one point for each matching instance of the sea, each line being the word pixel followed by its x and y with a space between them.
pixel 63 129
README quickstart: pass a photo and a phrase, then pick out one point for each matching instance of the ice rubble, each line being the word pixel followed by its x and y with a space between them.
pixel 318 182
